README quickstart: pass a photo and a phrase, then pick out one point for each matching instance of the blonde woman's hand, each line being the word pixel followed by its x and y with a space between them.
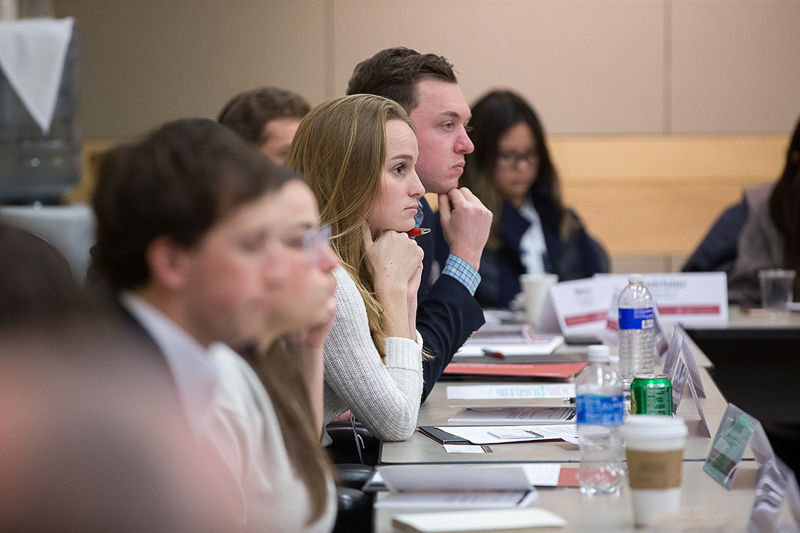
pixel 392 259
pixel 394 262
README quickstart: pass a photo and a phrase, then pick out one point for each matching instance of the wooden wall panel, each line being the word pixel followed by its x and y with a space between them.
pixel 660 195
pixel 651 200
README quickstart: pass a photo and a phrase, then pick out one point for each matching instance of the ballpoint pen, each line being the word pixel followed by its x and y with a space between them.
pixel 493 353
pixel 416 232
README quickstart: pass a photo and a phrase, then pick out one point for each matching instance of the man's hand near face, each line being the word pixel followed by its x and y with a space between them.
pixel 465 223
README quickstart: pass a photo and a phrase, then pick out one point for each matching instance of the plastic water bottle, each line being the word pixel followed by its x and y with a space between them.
pixel 636 341
pixel 600 411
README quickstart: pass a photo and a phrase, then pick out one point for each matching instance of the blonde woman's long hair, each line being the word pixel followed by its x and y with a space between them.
pixel 340 147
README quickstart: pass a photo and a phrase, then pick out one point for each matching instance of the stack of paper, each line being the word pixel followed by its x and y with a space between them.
pixel 507 434
pixel 509 340
pixel 514 415
pixel 514 370
pixel 491 486
pixel 512 520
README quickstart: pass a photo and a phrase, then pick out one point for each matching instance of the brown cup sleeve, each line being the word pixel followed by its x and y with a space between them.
pixel 655 470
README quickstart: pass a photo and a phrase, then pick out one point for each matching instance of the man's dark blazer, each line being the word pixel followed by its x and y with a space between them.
pixel 143 350
pixel 447 314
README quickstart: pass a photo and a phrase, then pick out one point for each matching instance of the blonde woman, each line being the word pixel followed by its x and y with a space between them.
pixel 358 155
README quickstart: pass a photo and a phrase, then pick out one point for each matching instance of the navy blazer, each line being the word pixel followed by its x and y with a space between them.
pixel 447 314
pixel 720 247
pixel 144 350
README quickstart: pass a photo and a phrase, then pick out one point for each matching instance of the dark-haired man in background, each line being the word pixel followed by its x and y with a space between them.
pixel 267 117
pixel 427 88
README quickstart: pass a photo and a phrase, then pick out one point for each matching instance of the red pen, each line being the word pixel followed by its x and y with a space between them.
pixel 416 232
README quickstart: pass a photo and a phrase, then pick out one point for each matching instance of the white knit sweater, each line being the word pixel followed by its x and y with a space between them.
pixel 384 397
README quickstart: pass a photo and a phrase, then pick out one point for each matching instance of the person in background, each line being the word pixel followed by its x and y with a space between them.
pixel 425 85
pixel 358 154
pixel 770 237
pixel 511 172
pixel 266 117
pixel 185 242
pixel 718 249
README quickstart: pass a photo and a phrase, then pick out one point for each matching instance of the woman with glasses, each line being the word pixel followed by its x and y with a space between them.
pixel 358 155
pixel 288 360
pixel 293 472
pixel 512 174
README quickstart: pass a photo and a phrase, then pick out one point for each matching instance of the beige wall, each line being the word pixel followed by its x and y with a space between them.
pixel 669 105
pixel 144 62
pixel 591 67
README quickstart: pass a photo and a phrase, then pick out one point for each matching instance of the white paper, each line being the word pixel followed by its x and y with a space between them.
pixel 494 392
pixel 458 500
pixel 463 448
pixel 444 522
pixel 543 474
pixel 513 415
pixel 454 478
pixel 509 339
pixel 539 474
pixel 538 345
pixel 487 434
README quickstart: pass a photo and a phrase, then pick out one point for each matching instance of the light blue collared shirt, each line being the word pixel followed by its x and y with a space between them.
pixel 454 266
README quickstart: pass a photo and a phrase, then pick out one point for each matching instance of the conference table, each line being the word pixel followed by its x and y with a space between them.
pixel 727 510
pixel 755 358
pixel 700 493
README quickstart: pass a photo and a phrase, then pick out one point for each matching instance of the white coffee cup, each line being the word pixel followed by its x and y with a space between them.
pixel 534 289
pixel 654 450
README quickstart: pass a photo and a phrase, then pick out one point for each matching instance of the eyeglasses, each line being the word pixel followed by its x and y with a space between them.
pixel 314 242
pixel 511 160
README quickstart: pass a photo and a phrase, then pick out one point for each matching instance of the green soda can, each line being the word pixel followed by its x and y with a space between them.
pixel 651 394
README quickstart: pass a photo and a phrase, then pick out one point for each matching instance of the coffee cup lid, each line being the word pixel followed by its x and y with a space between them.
pixel 654 426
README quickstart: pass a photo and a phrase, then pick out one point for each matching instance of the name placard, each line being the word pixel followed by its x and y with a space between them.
pixel 734 434
pixel 579 307
pixel 679 381
pixel 689 298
